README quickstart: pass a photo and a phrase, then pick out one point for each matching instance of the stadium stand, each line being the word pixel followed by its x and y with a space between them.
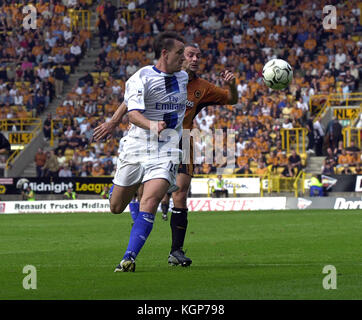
pixel 238 35
pixel 30 60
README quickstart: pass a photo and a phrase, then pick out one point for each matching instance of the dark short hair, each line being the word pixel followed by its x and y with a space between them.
pixel 165 40
pixel 192 44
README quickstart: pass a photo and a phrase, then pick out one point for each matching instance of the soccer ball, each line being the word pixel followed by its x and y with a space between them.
pixel 22 183
pixel 277 74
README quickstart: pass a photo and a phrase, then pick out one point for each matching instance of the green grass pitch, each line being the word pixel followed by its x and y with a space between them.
pixel 236 255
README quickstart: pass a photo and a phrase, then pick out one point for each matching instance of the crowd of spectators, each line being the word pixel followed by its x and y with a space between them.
pixel 34 63
pixel 237 35
pixel 342 160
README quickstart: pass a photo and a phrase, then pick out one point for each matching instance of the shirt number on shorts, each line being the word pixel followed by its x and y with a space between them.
pixel 171 119
pixel 172 167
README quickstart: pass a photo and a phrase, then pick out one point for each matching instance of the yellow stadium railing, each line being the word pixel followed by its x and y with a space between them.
pixel 30 125
pixel 318 104
pixel 294 138
pixel 352 134
pixel 11 159
pixel 262 178
pixel 124 2
pixel 127 14
pixel 277 183
pixel 80 19
pixel 22 124
pixel 299 185
pixel 64 122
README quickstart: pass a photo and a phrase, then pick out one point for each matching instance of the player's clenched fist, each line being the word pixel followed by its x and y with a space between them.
pixel 156 126
pixel 161 126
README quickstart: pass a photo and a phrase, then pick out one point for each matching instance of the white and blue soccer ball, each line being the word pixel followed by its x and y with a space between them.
pixel 277 74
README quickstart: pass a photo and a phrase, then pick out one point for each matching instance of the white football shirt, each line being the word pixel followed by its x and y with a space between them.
pixel 159 97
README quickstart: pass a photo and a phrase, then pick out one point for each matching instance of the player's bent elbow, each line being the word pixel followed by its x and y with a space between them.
pixel 131 115
pixel 134 117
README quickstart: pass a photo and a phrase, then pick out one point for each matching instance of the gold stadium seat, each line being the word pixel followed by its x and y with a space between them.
pixel 99 109
pixel 273 135
pixel 339 170
pixel 95 76
pixel 303 157
pixel 69 153
pixel 228 171
pixel 273 148
pixel 280 170
pixel 253 165
pixel 67 69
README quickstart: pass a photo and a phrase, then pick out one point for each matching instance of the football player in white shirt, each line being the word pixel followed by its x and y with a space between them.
pixel 184 180
pixel 156 101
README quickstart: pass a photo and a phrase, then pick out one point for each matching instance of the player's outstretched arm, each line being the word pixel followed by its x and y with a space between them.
pixel 229 78
pixel 105 129
pixel 141 121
